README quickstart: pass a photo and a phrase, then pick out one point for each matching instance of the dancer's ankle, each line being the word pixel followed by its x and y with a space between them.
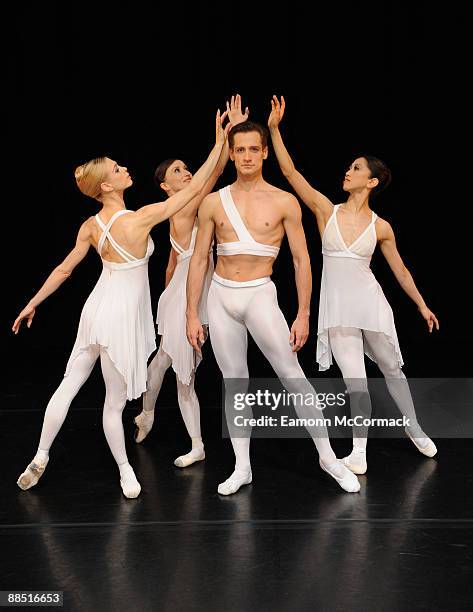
pixel 42 455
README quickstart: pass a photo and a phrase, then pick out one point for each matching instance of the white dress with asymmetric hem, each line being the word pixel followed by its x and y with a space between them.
pixel 118 315
pixel 350 295
pixel 171 317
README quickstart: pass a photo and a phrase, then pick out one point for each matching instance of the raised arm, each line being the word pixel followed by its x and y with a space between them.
pixel 319 204
pixel 235 116
pixel 197 269
pixel 152 214
pixel 292 222
pixel 57 277
pixel 387 242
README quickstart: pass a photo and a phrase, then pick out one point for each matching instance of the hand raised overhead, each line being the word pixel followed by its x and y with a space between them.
pixel 234 110
pixel 277 112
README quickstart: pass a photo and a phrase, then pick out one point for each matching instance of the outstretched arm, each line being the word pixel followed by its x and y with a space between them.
pixel 197 269
pixel 297 243
pixel 387 242
pixel 151 215
pixel 319 204
pixel 57 277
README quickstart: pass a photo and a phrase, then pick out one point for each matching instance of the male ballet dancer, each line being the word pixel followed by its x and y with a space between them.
pixel 249 219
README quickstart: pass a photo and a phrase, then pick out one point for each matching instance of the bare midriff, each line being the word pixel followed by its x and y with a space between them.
pixel 244 267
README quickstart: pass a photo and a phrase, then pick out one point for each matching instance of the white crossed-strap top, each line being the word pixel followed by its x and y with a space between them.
pixel 184 253
pixel 246 244
pixel 333 244
pixel 130 260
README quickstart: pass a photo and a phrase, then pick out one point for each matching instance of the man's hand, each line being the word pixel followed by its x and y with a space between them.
pixel 195 333
pixel 277 112
pixel 234 110
pixel 299 332
pixel 430 318
pixel 27 313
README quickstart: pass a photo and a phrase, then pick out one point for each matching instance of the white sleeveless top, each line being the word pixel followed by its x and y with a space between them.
pixel 350 295
pixel 171 317
pixel 246 244
pixel 117 314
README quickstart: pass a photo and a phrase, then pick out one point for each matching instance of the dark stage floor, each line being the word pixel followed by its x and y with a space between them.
pixel 290 541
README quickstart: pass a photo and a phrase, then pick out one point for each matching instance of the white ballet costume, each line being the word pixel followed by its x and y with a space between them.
pixel 356 318
pixel 236 308
pixel 175 350
pixel 116 325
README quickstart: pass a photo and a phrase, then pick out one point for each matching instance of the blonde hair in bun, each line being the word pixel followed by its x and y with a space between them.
pixel 90 176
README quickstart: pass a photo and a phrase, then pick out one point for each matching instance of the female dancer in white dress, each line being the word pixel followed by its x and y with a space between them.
pixel 172 175
pixel 354 315
pixel 116 323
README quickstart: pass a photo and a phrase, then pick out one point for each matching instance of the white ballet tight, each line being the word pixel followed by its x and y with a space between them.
pixel 186 395
pixel 115 400
pixel 347 348
pixel 234 311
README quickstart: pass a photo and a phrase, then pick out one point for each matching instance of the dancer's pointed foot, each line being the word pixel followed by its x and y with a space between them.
pixel 196 454
pixel 425 445
pixel 345 478
pixel 236 480
pixel 144 422
pixel 32 474
pixel 356 461
pixel 129 483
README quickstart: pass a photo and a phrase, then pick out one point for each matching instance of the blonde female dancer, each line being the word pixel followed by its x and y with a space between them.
pixel 173 175
pixel 354 315
pixel 116 323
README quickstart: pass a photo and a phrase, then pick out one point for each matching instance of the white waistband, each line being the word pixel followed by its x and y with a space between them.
pixel 231 283
pixel 247 248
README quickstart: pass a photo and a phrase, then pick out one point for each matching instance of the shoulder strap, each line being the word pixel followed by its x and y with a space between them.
pixel 234 216
pixel 106 235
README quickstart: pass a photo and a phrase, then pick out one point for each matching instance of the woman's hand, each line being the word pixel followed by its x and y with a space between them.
pixel 429 317
pixel 27 313
pixel 277 112
pixel 221 133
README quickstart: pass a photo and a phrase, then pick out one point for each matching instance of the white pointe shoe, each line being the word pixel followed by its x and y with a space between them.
pixel 429 451
pixel 144 422
pixel 236 480
pixel 348 482
pixel 356 463
pixel 196 454
pixel 32 474
pixel 130 486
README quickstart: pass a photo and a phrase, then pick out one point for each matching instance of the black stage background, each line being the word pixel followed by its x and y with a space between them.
pixel 142 84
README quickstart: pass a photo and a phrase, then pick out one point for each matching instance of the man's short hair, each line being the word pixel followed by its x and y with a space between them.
pixel 245 127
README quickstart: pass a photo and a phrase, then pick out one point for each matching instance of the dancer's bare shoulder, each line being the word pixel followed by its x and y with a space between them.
pixel 209 205
pixel 89 228
pixel 383 228
pixel 287 202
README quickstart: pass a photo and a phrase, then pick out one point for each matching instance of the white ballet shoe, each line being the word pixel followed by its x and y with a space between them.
pixel 348 481
pixel 32 474
pixel 144 422
pixel 236 480
pixel 129 483
pixel 356 463
pixel 429 451
pixel 196 454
